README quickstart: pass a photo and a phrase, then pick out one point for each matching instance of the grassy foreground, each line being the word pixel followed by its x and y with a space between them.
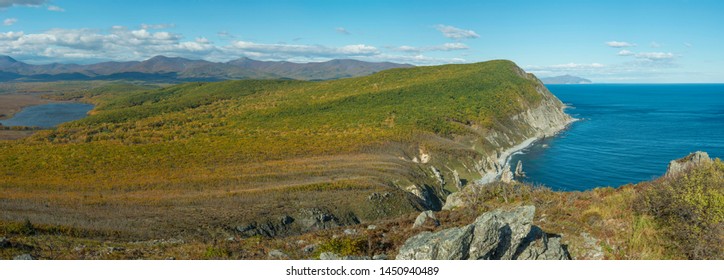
pixel 668 218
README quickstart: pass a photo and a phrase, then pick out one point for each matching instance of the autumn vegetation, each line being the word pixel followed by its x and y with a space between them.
pixel 159 171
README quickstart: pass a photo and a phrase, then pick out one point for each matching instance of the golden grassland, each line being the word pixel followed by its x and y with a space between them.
pixel 667 218
pixel 166 162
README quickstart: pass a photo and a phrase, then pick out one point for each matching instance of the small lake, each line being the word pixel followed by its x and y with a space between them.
pixel 48 115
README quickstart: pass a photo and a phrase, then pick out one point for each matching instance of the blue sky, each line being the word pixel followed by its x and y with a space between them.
pixel 605 41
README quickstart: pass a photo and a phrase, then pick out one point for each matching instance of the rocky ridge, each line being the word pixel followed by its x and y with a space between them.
pixel 495 235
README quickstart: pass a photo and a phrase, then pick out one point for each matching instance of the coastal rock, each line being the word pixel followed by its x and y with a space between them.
pixel 681 165
pixel 426 217
pixel 507 176
pixel 495 235
pixel 544 120
pixel 519 170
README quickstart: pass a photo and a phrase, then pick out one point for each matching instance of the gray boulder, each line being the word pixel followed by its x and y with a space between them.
pixel 4 242
pixel 277 254
pixel 449 244
pixel 426 216
pixel 23 257
pixel 498 232
pixel 694 159
pixel 495 235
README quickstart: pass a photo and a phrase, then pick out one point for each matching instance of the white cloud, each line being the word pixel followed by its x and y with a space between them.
pixel 418 59
pixel 10 35
pixel 342 30
pixel 655 45
pixel 9 21
pixel 120 43
pixel 406 49
pixel 55 8
pixel 450 47
pixel 655 56
pixel 625 53
pixel 282 51
pixel 30 3
pixel 456 33
pixel 617 44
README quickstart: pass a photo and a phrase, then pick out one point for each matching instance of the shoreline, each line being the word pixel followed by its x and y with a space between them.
pixel 505 157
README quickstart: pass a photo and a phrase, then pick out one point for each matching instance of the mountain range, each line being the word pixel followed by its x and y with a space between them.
pixel 177 69
pixel 565 79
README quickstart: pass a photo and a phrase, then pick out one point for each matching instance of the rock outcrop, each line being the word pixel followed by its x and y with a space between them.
pixel 426 217
pixel 23 257
pixel 681 165
pixel 495 235
pixel 303 221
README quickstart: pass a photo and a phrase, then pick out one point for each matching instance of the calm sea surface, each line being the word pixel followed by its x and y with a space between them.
pixel 627 133
pixel 48 115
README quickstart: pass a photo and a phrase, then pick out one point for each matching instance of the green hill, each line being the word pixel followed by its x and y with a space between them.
pixel 200 158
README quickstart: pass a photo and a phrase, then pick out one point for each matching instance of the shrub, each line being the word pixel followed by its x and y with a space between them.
pixel 690 210
pixel 345 246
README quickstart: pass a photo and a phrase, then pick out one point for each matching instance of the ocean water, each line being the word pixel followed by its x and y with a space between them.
pixel 626 133
pixel 48 115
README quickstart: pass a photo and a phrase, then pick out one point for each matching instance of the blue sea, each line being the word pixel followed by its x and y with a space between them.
pixel 48 115
pixel 627 133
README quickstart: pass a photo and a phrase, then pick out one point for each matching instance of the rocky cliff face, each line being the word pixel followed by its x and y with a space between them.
pixel 495 235
pixel 694 159
pixel 487 158
pixel 544 120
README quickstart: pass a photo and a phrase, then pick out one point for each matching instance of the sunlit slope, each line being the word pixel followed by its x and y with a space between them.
pixel 200 141
pixel 216 124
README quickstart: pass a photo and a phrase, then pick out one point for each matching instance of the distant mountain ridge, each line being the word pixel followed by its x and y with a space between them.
pixel 565 79
pixel 170 69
